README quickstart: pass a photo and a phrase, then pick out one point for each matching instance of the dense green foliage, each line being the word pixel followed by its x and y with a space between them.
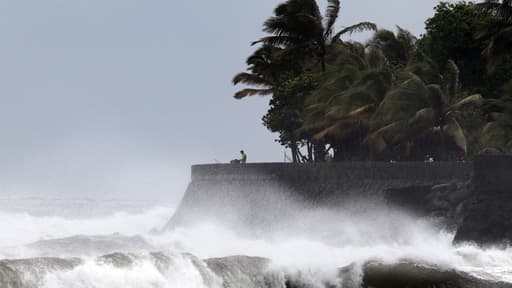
pixel 447 95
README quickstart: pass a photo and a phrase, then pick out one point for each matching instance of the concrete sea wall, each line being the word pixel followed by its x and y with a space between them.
pixel 489 219
pixel 260 194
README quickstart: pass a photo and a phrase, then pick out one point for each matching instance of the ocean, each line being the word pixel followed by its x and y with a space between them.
pixel 55 243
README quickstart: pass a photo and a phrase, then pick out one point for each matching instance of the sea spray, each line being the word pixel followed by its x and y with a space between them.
pixel 136 271
pixel 24 228
pixel 300 251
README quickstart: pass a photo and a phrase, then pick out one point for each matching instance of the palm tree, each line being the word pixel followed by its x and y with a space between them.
pixel 338 112
pixel 398 49
pixel 499 32
pixel 299 24
pixel 415 109
pixel 260 73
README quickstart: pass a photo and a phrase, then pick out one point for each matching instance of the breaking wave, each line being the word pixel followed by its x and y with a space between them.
pixel 128 249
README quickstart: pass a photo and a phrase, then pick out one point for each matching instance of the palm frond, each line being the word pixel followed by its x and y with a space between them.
pixel 342 130
pixel 331 14
pixel 422 120
pixel 437 97
pixel 385 137
pixel 312 127
pixel 276 25
pixel 473 100
pixel 402 102
pixel 252 92
pixel 357 113
pixel 375 58
pixel 456 133
pixel 359 27
pixel 361 111
pixel 278 41
pixel 250 79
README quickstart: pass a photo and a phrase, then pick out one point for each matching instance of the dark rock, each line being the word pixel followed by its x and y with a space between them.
pixel 410 275
pixel 447 201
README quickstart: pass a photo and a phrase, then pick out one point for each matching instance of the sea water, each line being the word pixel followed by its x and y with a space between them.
pixel 91 243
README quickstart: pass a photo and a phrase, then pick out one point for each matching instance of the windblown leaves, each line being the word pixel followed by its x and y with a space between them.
pixel 389 98
pixel 356 28
pixel 398 49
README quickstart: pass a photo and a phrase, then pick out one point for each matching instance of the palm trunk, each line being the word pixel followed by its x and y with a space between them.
pixel 310 151
pixel 319 151
pixel 295 155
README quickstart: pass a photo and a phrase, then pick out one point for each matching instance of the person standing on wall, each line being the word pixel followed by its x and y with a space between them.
pixel 243 160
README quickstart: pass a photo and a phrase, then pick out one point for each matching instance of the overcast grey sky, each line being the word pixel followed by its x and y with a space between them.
pixel 116 98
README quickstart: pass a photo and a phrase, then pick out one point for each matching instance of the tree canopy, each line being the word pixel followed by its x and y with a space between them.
pixel 445 95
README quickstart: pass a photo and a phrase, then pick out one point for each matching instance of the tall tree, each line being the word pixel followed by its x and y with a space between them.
pixel 286 112
pixel 299 24
pixel 450 34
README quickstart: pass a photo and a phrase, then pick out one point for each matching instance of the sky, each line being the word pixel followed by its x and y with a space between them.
pixel 115 99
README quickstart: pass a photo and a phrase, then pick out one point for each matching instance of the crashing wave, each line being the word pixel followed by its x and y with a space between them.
pixel 166 269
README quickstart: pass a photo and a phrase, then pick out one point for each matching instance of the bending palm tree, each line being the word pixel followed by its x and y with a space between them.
pixel 338 112
pixel 415 109
pixel 262 72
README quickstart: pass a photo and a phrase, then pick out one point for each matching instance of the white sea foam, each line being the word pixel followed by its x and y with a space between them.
pixel 145 274
pixel 19 229
pixel 341 240
pixel 417 243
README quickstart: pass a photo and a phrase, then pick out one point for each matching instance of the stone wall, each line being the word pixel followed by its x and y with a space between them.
pixel 331 183
pixel 489 219
pixel 407 171
pixel 473 195
pixel 262 192
pixel 493 173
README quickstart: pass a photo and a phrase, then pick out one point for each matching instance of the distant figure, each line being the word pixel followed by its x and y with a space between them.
pixel 243 160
